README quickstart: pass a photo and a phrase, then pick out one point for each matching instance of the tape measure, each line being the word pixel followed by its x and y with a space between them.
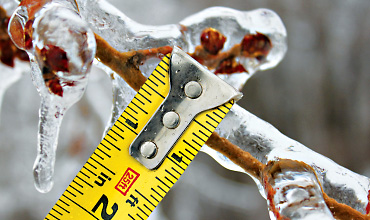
pixel 150 145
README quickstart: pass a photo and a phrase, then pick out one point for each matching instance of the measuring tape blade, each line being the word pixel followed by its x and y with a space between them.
pixel 112 184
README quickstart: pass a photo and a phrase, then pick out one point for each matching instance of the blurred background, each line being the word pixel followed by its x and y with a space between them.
pixel 319 95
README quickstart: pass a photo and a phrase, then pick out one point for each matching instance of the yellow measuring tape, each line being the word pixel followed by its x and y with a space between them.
pixel 114 185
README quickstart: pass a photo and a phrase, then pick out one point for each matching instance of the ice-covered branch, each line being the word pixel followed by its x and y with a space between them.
pixel 297 182
pixel 265 143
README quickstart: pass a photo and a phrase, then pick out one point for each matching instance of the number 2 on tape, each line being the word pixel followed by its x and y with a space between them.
pixel 133 168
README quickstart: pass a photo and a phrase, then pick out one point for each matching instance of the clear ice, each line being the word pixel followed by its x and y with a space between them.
pixel 124 34
pixel 266 143
pixel 292 192
pixel 61 48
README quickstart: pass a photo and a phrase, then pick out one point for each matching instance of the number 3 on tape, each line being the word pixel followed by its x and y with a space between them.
pixel 150 145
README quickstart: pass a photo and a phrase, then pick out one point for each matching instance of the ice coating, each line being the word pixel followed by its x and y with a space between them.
pixel 124 34
pixel 61 48
pixel 293 191
pixel 266 143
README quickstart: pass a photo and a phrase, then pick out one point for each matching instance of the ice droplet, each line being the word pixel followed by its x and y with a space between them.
pixel 61 48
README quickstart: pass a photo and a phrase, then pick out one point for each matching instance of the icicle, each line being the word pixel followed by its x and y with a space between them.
pixel 61 48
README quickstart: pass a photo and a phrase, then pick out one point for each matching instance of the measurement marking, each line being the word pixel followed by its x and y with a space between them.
pixel 144 97
pixel 139 216
pixel 175 163
pixel 84 181
pixel 163 189
pixel 157 193
pixel 230 103
pixel 111 142
pixel 186 163
pixel 162 67
pixel 171 174
pixel 139 107
pixel 146 91
pixel 84 174
pixel 57 211
pixel 144 197
pixel 142 211
pixel 131 216
pixel 70 193
pixel 91 164
pixel 104 146
pixel 117 133
pixel 148 208
pixel 198 137
pixel 153 82
pixel 119 128
pixel 203 133
pixel 197 143
pixel 98 156
pixel 154 198
pixel 89 171
pixel 64 202
pixel 221 110
pixel 155 91
pixel 176 171
pixel 224 105
pixel 191 146
pixel 81 207
pixel 190 152
pixel 130 115
pixel 212 118
pixel 160 73
pixel 75 189
pixel 103 166
pixel 211 124
pixel 126 126
pixel 62 208
pixel 54 216
pixel 132 124
pixel 162 182
pixel 132 109
pixel 202 125
pixel 185 156
pixel 77 184
pixel 217 115
pixel 139 100
pixel 169 180
pixel 111 136
pixel 103 152
pixel 165 61
pixel 158 79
